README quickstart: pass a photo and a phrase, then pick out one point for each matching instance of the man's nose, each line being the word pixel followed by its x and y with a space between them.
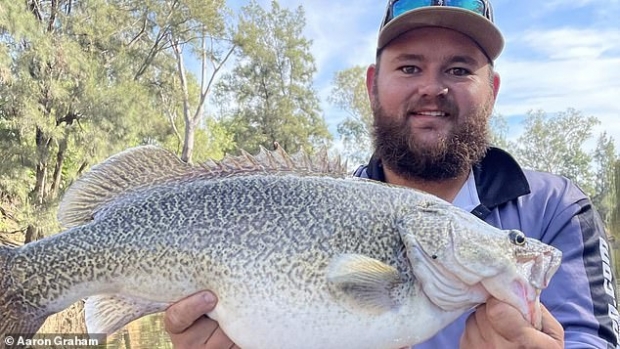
pixel 432 87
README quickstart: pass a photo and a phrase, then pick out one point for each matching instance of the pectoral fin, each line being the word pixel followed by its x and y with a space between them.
pixel 363 282
pixel 108 314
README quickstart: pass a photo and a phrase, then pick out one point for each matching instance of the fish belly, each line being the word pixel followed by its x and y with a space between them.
pixel 326 325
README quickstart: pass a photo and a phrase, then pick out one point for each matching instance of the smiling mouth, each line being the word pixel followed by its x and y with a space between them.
pixel 430 113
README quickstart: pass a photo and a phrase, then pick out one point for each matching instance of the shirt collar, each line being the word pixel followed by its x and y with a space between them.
pixel 467 197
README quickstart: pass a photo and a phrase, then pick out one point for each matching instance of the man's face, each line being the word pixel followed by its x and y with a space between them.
pixel 432 94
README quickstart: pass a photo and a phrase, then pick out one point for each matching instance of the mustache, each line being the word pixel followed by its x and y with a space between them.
pixel 443 104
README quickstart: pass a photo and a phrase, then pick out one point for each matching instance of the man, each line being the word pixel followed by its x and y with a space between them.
pixel 432 92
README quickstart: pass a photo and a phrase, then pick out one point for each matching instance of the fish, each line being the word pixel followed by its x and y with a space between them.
pixel 299 253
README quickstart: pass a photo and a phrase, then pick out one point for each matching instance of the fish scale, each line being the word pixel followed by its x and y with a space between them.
pixel 298 256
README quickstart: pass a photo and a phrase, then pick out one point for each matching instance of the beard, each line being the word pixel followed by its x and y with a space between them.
pixel 451 155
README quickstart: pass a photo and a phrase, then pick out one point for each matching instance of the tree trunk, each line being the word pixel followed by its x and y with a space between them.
pixel 68 321
pixel 42 142
pixel 188 145
pixel 60 159
pixel 33 234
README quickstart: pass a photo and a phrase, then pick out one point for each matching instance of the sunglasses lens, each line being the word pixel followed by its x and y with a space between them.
pixel 472 5
pixel 401 6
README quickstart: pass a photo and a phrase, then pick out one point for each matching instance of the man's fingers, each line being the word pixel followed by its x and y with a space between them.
pixel 218 339
pixel 188 327
pixel 551 326
pixel 472 337
pixel 499 325
pixel 181 315
pixel 496 311
pixel 196 335
pixel 205 334
pixel 482 321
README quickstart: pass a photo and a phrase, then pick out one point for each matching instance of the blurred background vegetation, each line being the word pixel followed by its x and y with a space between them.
pixel 82 80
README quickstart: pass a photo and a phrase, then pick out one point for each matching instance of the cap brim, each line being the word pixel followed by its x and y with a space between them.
pixel 480 29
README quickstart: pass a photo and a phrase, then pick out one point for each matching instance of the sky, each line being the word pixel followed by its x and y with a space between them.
pixel 559 54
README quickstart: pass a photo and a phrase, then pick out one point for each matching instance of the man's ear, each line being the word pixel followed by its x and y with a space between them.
pixel 496 83
pixel 370 80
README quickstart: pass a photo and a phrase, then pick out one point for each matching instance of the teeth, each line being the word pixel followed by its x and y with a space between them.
pixel 431 113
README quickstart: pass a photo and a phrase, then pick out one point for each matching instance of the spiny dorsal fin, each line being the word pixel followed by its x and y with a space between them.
pixel 146 166
pixel 127 171
pixel 277 161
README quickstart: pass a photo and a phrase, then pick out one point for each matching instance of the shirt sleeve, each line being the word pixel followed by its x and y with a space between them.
pixel 581 295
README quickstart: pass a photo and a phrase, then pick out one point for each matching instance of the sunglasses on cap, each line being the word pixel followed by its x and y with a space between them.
pixel 398 7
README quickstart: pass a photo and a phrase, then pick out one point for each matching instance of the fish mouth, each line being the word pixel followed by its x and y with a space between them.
pixel 539 268
pixel 517 292
pixel 522 288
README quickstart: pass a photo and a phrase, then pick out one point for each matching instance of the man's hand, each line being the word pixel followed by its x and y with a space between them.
pixel 499 325
pixel 189 328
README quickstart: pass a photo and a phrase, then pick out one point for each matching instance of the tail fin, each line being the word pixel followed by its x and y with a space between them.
pixel 16 314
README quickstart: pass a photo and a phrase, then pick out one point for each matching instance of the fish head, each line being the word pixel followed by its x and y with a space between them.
pixel 461 261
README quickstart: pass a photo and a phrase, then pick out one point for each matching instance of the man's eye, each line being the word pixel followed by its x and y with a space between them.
pixel 410 69
pixel 459 71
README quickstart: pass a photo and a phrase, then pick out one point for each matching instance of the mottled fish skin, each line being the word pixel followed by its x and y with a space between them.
pixel 298 260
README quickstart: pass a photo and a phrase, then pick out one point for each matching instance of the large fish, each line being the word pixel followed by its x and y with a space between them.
pixel 297 259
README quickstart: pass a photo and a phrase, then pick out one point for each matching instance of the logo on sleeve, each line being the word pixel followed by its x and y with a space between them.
pixel 609 287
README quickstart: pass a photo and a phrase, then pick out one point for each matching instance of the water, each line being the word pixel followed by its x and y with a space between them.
pixel 145 333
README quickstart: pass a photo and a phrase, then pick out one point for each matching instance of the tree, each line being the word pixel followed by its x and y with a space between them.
pixel 212 141
pixel 498 131
pixel 350 95
pixel 270 91
pixel 206 35
pixel 614 217
pixel 555 144
pixel 604 160
pixel 44 97
pixel 82 80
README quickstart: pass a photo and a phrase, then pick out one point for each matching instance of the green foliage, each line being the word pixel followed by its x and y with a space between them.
pixel 556 144
pixel 212 141
pixel 498 129
pixel 605 158
pixel 349 94
pixel 614 215
pixel 270 90
pixel 202 28
pixel 78 82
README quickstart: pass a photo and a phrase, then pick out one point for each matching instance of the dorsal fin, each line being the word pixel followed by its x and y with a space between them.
pixel 146 166
pixel 277 161
pixel 129 170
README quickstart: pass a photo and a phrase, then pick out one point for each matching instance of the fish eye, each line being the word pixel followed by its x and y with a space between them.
pixel 517 237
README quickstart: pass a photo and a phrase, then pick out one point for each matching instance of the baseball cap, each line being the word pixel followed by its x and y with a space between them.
pixel 473 18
